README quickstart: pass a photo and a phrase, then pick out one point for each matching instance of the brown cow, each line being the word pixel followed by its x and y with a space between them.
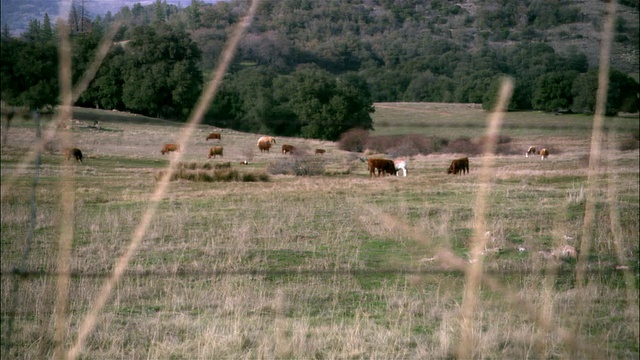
pixel 320 151
pixel 213 136
pixel 383 166
pixel 459 166
pixel 264 146
pixel 75 152
pixel 169 148
pixel 265 142
pixel 530 151
pixel 270 139
pixel 288 149
pixel 544 153
pixel 214 151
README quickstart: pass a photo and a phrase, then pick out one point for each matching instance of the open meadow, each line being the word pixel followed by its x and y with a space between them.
pixel 337 265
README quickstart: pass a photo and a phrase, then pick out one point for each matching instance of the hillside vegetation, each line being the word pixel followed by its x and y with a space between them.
pixel 335 265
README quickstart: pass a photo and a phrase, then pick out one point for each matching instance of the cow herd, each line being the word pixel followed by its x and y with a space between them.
pixel 264 145
pixel 381 167
pixel 376 166
pixel 544 153
pixel 460 166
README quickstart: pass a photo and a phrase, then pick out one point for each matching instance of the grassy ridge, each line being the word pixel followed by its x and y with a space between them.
pixel 453 120
pixel 334 266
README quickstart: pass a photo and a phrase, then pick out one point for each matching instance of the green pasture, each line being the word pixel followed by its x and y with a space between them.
pixel 328 266
pixel 469 120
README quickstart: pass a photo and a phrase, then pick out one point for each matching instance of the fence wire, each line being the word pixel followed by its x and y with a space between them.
pixel 564 271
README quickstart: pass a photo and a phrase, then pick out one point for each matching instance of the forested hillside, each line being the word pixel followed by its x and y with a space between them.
pixel 314 68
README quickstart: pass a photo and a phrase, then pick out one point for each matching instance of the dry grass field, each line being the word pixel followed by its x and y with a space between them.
pixel 107 259
pixel 332 266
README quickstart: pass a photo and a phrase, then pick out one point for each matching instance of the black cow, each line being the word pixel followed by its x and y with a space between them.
pixel 459 166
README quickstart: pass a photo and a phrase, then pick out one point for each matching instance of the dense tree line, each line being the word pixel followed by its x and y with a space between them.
pixel 314 69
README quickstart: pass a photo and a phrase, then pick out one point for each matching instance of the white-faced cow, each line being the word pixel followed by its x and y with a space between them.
pixel 544 153
pixel 400 164
pixel 530 151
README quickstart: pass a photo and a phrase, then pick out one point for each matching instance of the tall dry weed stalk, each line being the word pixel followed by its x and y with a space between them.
pixel 474 272
pixel 595 152
pixel 196 117
pixel 594 176
pixel 67 197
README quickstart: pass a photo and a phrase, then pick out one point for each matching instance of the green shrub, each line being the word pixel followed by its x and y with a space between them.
pixel 297 165
pixel 224 165
pixel 224 175
pixel 405 145
pixel 194 165
pixel 629 144
pixel 353 140
pixel 413 144
pixel 502 145
pixel 462 145
pixel 254 177
pixel 206 177
pixel 502 139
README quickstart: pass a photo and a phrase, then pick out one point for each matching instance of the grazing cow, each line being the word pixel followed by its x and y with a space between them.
pixel 288 149
pixel 270 139
pixel 400 164
pixel 244 162
pixel 544 153
pixel 213 136
pixel 75 152
pixel 265 142
pixel 169 148
pixel 531 151
pixel 214 151
pixel 459 166
pixel 383 166
pixel 264 146
pixel 320 151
